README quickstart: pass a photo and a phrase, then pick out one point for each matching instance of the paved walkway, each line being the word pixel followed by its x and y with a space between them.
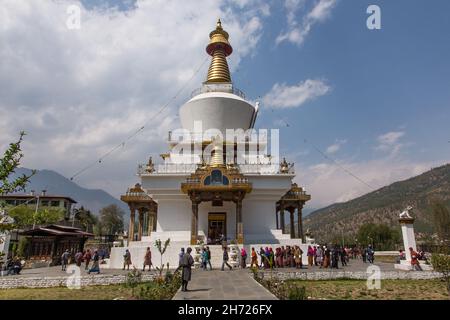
pixel 223 285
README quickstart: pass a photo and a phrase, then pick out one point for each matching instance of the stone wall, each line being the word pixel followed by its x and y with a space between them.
pixel 357 275
pixel 46 282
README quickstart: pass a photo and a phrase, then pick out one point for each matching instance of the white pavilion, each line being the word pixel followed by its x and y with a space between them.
pixel 221 191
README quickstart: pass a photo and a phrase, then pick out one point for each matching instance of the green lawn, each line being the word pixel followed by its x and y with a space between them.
pixel 329 289
pixel 63 293
pixel 390 290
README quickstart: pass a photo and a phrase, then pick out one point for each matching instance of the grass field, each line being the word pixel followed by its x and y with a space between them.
pixel 330 289
pixel 390 290
pixel 63 293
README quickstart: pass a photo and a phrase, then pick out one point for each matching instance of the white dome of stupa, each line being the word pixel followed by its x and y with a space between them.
pixel 217 104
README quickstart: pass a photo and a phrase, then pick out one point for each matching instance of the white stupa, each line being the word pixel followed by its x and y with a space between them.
pixel 217 195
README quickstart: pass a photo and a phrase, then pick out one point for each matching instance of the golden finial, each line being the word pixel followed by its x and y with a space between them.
pixel 219 48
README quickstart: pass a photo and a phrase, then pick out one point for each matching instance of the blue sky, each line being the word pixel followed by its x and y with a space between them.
pixel 378 101
pixel 393 79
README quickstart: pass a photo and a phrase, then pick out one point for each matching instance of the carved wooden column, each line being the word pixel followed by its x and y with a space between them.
pixel 131 226
pixel 150 222
pixel 282 216
pixel 292 225
pixel 276 218
pixel 194 222
pixel 140 223
pixel 300 221
pixel 155 216
pixel 239 223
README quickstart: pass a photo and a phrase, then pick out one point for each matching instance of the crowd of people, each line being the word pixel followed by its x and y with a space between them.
pixel 84 257
pixel 322 256
pixel 147 260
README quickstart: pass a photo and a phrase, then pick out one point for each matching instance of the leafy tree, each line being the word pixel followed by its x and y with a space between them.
pixel 441 220
pixel 111 220
pixel 440 259
pixel 8 164
pixel 441 263
pixel 21 248
pixel 162 249
pixel 86 218
pixel 381 236
pixel 25 216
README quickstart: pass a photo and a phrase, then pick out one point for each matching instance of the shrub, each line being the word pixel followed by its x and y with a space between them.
pixel 22 247
pixel 441 263
pixel 296 292
pixel 160 289
pixel 133 278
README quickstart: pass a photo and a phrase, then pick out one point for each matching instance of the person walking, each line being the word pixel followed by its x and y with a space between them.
pixel 79 258
pixel 326 257
pixel 315 255
pixel 414 260
pixel 186 263
pixel 364 255
pixel 297 257
pixel 243 258
pixel 319 256
pixel 334 258
pixel 180 259
pixel 204 257
pixel 262 254
pixel 310 255
pixel 343 254
pixel 65 260
pixel 126 259
pixel 95 264
pixel 225 259
pixel 87 259
pixel 370 254
pixel 271 258
pixel 148 259
pixel 209 257
pixel 283 257
pixel 254 257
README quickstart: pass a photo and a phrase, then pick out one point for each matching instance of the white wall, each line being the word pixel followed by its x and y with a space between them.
pixel 174 215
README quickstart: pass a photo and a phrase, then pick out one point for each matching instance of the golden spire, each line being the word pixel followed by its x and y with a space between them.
pixel 219 48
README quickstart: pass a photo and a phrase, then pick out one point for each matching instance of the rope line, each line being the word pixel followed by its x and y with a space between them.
pixel 123 143
pixel 331 159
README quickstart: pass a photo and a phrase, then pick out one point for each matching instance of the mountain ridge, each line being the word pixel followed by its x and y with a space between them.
pixel 383 206
pixel 55 183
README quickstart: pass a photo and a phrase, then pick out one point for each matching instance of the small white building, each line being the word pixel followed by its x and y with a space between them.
pixel 212 186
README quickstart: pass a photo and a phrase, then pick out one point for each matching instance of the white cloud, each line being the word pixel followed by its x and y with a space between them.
pixel 335 147
pixel 298 31
pixel 389 142
pixel 78 93
pixel 283 96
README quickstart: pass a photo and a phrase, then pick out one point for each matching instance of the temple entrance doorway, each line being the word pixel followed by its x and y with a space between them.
pixel 217 227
